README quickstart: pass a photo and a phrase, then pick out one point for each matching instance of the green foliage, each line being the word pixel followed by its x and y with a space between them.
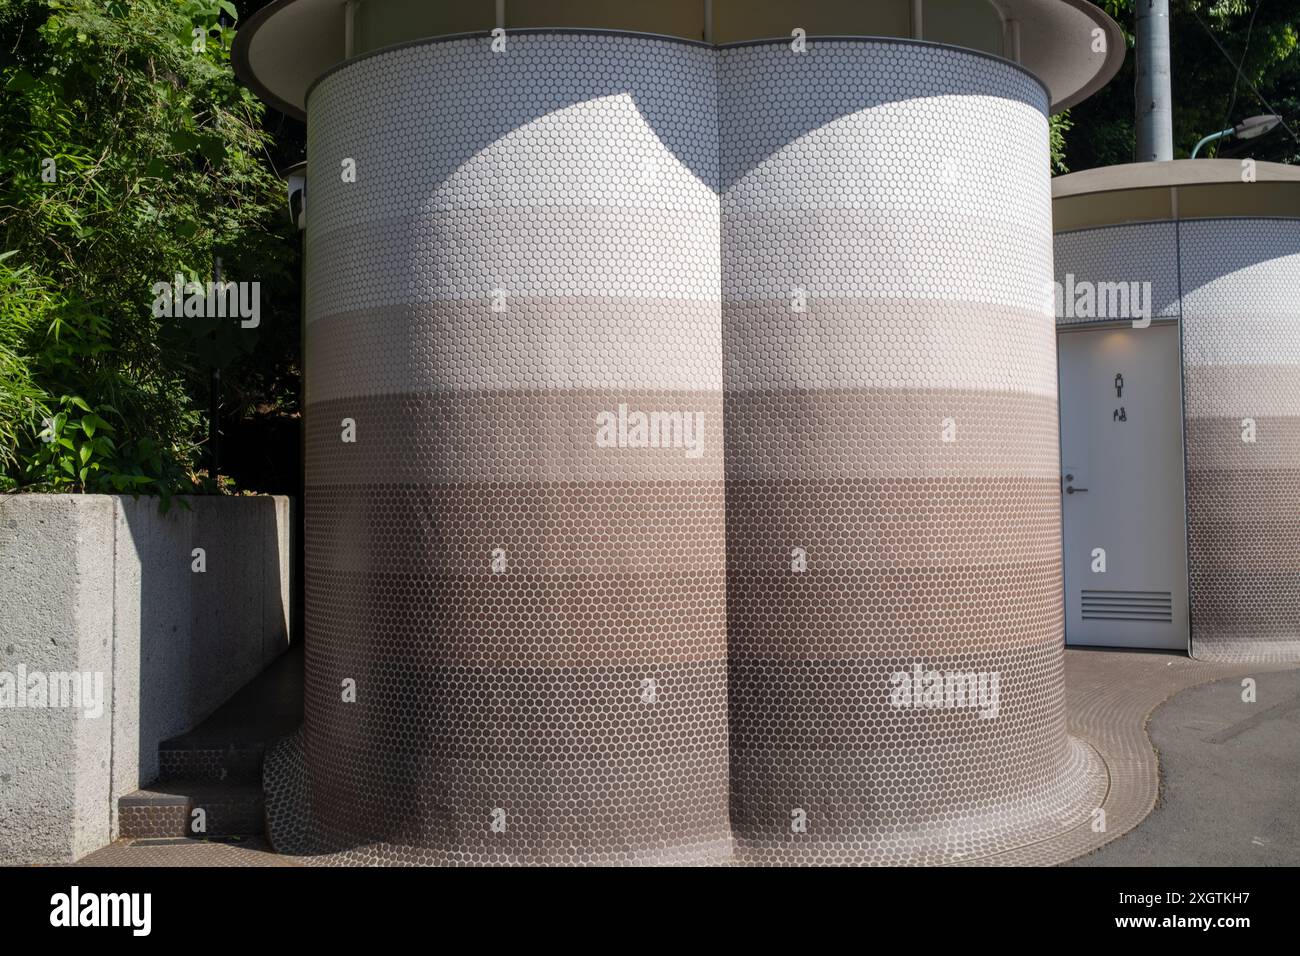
pixel 22 400
pixel 161 165
pixel 78 453
pixel 1058 127
pixel 1209 94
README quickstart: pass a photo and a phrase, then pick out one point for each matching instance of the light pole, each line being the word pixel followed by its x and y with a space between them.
pixel 1246 129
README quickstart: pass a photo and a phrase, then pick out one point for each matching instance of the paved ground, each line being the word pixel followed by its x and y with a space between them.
pixel 1230 771
pixel 1229 777
pixel 1108 696
pixel 186 853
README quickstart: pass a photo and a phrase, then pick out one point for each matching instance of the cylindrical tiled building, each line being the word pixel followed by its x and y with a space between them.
pixel 535 618
pixel 539 628
pixel 1219 241
pixel 892 496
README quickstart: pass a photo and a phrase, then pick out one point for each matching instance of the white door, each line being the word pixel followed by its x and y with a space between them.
pixel 1123 520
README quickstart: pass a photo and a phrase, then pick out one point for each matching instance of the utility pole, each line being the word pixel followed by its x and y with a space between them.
pixel 1155 111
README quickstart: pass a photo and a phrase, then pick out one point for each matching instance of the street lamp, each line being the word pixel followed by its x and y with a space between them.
pixel 1246 129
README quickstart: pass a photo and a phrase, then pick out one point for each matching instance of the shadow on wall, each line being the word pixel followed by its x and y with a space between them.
pixel 204 596
pixel 1207 269
pixel 616 68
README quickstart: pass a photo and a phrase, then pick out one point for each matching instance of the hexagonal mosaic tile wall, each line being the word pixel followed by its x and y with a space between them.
pixel 1239 301
pixel 892 497
pixel 541 628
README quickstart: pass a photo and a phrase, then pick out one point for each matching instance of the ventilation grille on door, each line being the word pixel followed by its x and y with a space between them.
pixel 1154 606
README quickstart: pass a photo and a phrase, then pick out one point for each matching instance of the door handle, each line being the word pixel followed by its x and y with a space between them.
pixel 1070 490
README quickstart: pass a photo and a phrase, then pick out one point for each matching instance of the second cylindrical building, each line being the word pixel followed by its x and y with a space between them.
pixel 893 563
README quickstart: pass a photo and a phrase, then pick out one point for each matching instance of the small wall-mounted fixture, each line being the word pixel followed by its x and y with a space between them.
pixel 295 179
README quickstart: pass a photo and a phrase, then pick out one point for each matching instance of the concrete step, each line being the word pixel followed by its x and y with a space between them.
pixel 228 745
pixel 217 766
pixel 168 809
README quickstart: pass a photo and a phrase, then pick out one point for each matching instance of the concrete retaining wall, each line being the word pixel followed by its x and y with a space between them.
pixel 105 586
